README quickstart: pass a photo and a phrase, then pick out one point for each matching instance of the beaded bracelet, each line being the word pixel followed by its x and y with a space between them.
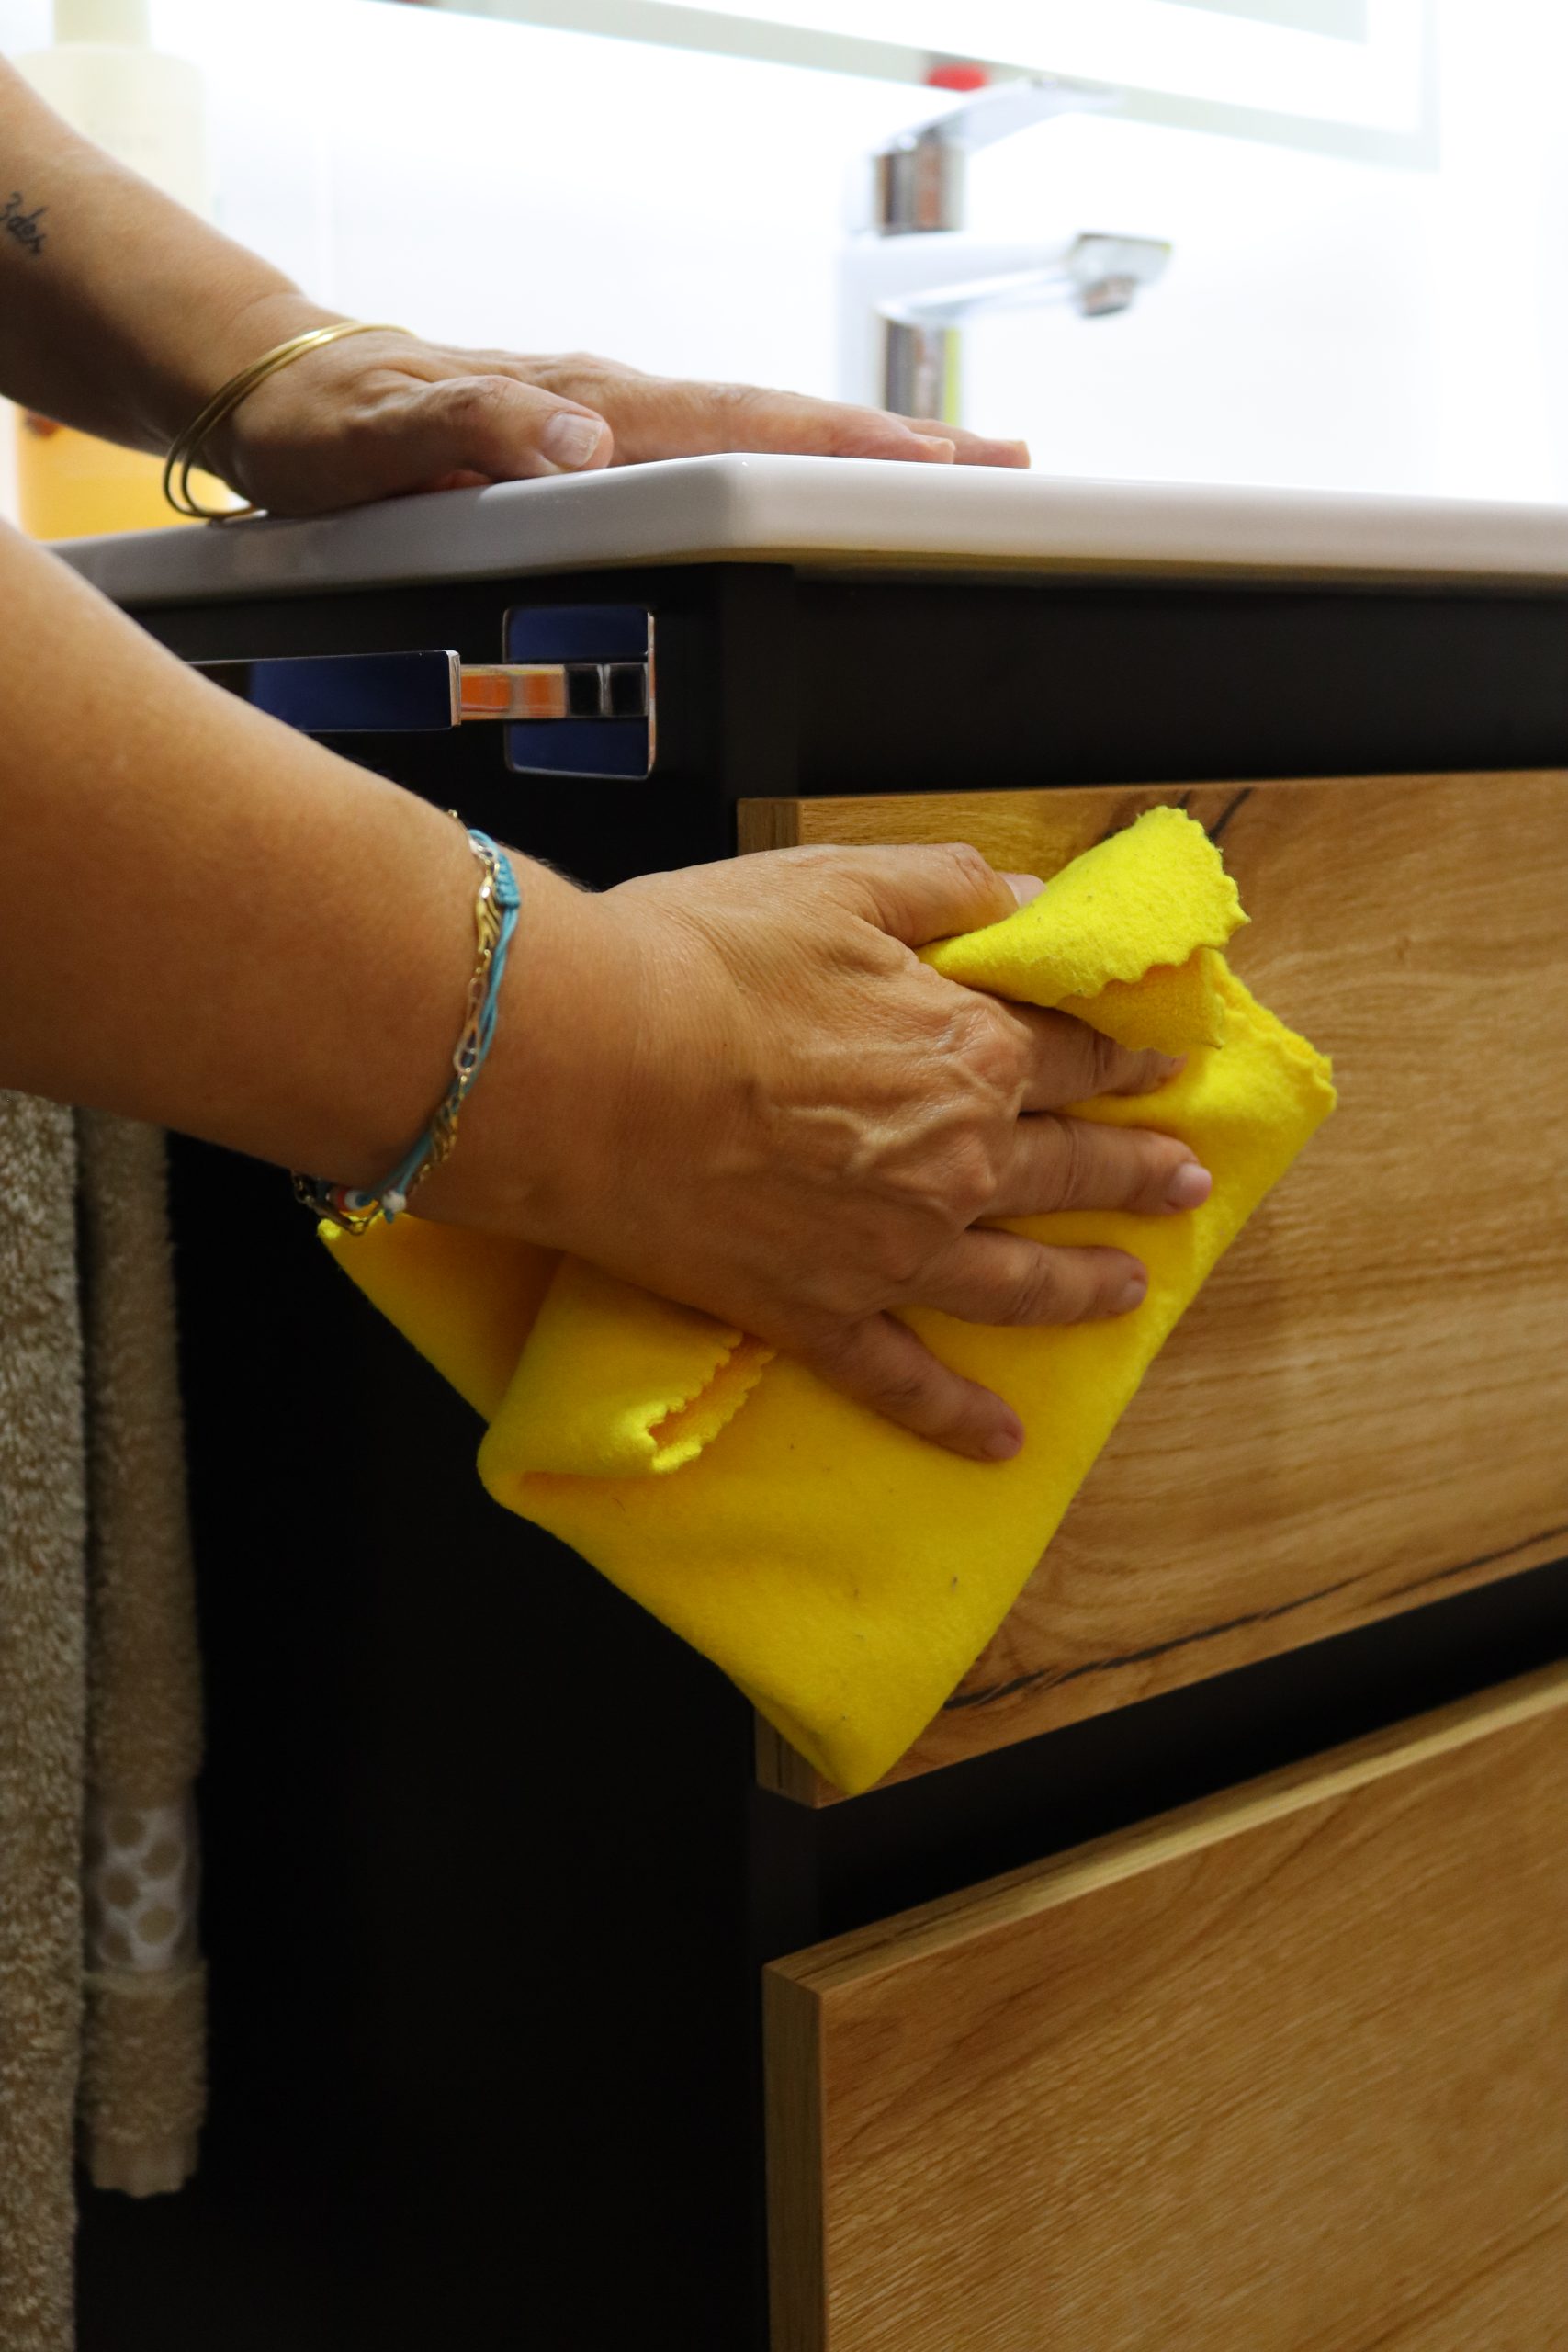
pixel 495 919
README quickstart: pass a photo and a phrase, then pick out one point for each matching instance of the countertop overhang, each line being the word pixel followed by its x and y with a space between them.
pixel 840 514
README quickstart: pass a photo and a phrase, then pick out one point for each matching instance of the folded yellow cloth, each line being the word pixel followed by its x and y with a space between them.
pixel 845 1574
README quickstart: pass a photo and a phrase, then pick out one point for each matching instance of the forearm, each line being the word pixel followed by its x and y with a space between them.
pixel 736 1086
pixel 208 920
pixel 120 313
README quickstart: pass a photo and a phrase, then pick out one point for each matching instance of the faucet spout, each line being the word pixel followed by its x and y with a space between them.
pixel 942 282
pixel 1098 275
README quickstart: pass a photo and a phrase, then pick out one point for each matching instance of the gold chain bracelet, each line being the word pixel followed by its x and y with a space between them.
pixel 187 448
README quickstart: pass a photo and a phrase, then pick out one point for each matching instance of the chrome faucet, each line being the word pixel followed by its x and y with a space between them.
pixel 918 275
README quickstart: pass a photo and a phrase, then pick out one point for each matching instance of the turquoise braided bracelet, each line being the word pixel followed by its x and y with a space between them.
pixel 496 909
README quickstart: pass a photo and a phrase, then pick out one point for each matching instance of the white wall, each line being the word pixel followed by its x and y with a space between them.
pixel 1325 322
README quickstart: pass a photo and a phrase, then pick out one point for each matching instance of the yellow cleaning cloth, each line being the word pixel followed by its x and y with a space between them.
pixel 845 1574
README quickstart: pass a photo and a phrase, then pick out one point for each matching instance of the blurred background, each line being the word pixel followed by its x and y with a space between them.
pixel 1367 202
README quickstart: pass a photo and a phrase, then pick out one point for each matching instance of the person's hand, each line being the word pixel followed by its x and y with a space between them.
pixel 378 416
pixel 740 1087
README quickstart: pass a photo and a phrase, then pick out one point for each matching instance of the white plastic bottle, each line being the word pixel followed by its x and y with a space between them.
pixel 145 110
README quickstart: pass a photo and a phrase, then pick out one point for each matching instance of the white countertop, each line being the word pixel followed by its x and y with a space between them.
pixel 838 514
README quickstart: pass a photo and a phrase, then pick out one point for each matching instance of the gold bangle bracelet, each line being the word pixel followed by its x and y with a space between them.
pixel 187 448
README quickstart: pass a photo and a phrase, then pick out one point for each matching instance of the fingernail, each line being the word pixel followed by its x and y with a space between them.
pixel 1004 1444
pixel 1132 1294
pixel 1024 886
pixel 941 451
pixel 571 441
pixel 1190 1185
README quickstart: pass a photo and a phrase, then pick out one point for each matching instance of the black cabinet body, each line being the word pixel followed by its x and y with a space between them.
pixel 488 1879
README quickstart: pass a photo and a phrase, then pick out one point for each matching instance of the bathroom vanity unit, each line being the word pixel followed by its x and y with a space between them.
pixel 1200 1978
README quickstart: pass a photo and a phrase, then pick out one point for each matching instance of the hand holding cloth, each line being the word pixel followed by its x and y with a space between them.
pixel 842 1572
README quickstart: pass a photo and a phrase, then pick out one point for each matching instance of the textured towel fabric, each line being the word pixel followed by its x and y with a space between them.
pixel 143 2032
pixel 845 1574
pixel 97 1685
pixel 42 1719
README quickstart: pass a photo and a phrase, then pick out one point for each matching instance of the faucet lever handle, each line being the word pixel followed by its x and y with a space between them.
pixel 1011 106
pixel 919 175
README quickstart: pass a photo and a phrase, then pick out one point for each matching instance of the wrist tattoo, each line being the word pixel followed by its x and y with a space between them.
pixel 21 225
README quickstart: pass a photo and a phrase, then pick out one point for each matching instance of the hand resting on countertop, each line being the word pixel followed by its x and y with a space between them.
pixel 127 314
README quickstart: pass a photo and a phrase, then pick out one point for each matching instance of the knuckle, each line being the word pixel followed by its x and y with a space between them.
pixel 835 430
pixel 828 862
pixel 993 1045
pixel 1156 1160
pixel 828 1347
pixel 1105 1061
pixel 1071 1161
pixel 564 373
pixel 839 1283
pixel 934 1199
pixel 477 400
pixel 968 1181
pixel 816 1296
pixel 740 401
pixel 967 867
pixel 902 1254
pixel 903 1389
pixel 1035 1292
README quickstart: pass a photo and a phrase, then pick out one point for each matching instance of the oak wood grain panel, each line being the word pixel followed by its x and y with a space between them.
pixel 1284 2071
pixel 1364 1409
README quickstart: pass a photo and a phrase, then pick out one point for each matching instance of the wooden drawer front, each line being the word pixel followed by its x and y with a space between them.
pixel 1365 1408
pixel 1286 2072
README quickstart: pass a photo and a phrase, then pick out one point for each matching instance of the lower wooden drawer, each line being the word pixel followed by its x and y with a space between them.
pixel 1288 2069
